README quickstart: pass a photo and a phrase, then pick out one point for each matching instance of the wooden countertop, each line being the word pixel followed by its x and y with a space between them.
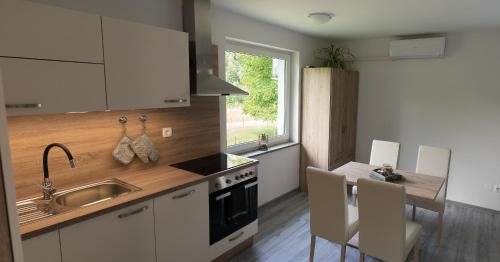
pixel 153 182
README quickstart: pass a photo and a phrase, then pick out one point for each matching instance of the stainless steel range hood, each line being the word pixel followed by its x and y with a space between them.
pixel 198 24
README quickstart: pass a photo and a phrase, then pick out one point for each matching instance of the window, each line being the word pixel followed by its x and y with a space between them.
pixel 264 74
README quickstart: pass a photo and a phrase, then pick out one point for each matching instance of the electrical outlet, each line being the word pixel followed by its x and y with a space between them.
pixel 496 188
pixel 166 132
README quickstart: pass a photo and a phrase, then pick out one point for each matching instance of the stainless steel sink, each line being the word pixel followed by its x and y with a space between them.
pixel 94 193
pixel 34 209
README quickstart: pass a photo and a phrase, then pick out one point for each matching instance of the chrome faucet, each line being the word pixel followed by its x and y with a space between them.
pixel 48 188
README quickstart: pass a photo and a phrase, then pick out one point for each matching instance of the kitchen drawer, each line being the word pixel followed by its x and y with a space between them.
pixel 233 240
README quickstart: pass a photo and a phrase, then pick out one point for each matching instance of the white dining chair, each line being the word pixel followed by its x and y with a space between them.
pixel 384 232
pixel 383 152
pixel 331 217
pixel 433 161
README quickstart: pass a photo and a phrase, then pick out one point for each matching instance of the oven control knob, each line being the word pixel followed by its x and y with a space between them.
pixel 217 185
pixel 228 181
pixel 238 177
pixel 251 173
pixel 246 174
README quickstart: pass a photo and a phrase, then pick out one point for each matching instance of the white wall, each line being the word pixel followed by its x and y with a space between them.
pixel 452 102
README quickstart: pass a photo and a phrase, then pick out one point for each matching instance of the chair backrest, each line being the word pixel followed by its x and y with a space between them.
pixel 433 161
pixel 327 204
pixel 382 222
pixel 384 152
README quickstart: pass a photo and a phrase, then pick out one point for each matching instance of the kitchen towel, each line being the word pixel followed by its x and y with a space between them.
pixel 123 152
pixel 145 149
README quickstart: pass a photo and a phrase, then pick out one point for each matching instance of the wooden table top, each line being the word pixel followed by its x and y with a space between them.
pixel 418 186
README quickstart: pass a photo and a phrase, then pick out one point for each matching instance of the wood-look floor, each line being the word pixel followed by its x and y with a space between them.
pixel 470 234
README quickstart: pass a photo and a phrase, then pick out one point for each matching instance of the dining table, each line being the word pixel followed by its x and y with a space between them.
pixel 418 187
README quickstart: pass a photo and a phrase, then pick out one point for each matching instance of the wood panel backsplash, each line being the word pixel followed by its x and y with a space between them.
pixel 91 137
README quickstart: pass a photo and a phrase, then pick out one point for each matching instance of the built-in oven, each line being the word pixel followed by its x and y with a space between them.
pixel 233 202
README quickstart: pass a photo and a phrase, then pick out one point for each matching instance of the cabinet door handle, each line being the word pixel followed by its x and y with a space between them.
pixel 177 100
pixel 35 105
pixel 137 211
pixel 184 195
pixel 237 236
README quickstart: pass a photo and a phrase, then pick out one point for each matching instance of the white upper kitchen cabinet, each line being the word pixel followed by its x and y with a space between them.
pixel 32 30
pixel 42 248
pixel 126 235
pixel 182 225
pixel 44 87
pixel 146 66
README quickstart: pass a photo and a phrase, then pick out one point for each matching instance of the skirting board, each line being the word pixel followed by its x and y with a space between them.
pixel 473 206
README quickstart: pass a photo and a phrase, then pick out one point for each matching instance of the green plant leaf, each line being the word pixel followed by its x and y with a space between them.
pixel 333 56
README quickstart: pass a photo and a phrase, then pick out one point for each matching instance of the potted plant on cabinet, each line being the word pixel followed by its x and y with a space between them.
pixel 333 56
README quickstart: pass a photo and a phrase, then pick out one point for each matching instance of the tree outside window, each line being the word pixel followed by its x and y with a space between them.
pixel 262 111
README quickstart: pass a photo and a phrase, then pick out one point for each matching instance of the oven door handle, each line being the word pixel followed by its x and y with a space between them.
pixel 217 198
pixel 239 214
pixel 250 185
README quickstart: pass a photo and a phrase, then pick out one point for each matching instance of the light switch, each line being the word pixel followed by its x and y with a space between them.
pixel 167 132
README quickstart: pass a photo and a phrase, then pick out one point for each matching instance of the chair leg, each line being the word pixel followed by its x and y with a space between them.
pixel 342 253
pixel 361 257
pixel 416 251
pixel 414 213
pixel 313 243
pixel 440 228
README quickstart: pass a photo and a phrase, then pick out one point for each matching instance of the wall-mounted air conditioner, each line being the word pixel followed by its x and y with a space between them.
pixel 417 48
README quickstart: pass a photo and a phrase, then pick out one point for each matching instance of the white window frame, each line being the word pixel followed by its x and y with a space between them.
pixel 234 46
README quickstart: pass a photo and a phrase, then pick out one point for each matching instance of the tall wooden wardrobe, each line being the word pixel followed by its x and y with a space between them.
pixel 329 114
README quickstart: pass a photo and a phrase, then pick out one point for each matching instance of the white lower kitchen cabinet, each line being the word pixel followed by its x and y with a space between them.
pixel 182 226
pixel 43 248
pixel 126 235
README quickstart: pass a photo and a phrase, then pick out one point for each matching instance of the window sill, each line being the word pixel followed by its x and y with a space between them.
pixel 255 153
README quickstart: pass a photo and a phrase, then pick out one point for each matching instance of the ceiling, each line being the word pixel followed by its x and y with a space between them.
pixel 356 19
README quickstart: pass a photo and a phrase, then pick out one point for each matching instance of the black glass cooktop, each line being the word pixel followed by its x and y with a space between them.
pixel 213 164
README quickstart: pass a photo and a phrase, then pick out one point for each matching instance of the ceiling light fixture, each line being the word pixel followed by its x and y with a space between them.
pixel 320 17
